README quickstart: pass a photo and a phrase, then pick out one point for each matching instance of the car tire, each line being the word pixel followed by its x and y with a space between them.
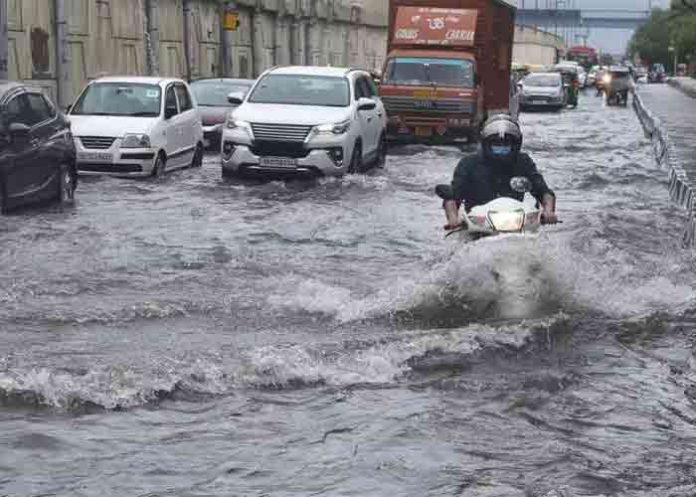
pixel 159 168
pixel 381 160
pixel 355 164
pixel 197 160
pixel 66 186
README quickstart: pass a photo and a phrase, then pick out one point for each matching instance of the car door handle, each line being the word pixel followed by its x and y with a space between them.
pixel 369 119
pixel 380 114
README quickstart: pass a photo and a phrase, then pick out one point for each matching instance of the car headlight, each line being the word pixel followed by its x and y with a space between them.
pixel 333 128
pixel 240 125
pixel 135 140
pixel 507 221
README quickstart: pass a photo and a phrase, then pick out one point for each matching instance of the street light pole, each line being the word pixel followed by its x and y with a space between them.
pixel 3 40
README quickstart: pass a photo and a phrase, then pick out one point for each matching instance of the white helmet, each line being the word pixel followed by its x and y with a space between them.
pixel 501 137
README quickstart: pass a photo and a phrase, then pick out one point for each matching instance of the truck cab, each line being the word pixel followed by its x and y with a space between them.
pixel 431 94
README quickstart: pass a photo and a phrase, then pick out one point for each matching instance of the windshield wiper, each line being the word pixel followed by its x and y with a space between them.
pixel 141 114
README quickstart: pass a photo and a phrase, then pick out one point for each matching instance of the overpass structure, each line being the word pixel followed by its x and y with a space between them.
pixel 573 23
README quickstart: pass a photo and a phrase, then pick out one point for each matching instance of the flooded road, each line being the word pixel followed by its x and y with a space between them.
pixel 192 337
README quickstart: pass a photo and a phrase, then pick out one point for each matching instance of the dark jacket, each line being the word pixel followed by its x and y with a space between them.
pixel 476 183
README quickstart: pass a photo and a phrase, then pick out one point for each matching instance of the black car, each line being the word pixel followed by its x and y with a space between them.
pixel 37 152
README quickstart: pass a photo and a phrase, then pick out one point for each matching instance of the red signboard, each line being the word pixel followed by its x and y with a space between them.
pixel 435 26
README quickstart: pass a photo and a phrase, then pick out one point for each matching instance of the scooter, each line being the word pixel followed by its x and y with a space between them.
pixel 504 215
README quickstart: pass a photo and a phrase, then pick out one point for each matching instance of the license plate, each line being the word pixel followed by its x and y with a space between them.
pixel 538 102
pixel 424 131
pixel 206 143
pixel 95 156
pixel 278 162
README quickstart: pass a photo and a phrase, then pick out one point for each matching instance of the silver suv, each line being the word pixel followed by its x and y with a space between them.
pixel 305 120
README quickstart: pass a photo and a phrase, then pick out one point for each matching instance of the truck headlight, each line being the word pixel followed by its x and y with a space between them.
pixel 507 221
pixel 135 140
pixel 333 128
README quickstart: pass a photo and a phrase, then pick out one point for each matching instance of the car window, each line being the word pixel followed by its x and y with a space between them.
pixel 17 110
pixel 361 90
pixel 371 87
pixel 39 108
pixel 119 99
pixel 170 99
pixel 184 98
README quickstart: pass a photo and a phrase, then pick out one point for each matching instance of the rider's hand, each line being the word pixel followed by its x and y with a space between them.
pixel 548 217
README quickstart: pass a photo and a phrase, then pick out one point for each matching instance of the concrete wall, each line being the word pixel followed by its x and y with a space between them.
pixel 112 37
pixel 534 46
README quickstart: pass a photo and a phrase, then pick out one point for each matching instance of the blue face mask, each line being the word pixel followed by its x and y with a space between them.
pixel 501 150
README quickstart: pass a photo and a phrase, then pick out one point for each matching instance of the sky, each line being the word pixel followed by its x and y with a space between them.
pixel 608 40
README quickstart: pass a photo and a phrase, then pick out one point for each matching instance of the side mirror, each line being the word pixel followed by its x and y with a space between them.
pixel 366 104
pixel 169 112
pixel 520 184
pixel 19 131
pixel 235 98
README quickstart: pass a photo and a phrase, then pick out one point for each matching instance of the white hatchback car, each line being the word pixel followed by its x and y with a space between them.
pixel 305 120
pixel 133 126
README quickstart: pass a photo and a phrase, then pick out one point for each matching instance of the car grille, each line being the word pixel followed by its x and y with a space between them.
pixel 294 150
pixel 97 142
pixel 408 104
pixel 280 132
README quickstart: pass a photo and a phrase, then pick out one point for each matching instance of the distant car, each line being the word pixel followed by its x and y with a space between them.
pixel 542 90
pixel 657 74
pixel 134 126
pixel 37 153
pixel 211 96
pixel 306 120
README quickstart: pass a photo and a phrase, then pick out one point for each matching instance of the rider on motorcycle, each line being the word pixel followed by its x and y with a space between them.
pixel 484 176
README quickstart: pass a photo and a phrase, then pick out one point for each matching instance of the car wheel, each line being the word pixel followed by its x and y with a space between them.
pixel 159 167
pixel 197 157
pixel 355 164
pixel 66 186
pixel 382 152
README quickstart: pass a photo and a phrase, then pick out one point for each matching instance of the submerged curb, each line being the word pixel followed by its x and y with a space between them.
pixel 681 190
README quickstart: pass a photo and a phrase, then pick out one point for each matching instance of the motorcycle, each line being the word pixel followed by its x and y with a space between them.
pixel 504 215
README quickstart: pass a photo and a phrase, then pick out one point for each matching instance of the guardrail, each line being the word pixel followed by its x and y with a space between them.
pixel 681 190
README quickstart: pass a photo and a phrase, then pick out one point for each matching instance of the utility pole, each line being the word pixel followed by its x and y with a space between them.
pixel 229 9
pixel 152 36
pixel 63 83
pixel 3 40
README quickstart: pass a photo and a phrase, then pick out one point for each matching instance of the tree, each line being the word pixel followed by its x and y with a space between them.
pixel 652 40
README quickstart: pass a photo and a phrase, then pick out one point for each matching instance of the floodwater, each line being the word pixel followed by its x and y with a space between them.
pixel 194 337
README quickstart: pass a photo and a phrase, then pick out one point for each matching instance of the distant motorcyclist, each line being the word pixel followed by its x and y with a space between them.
pixel 485 175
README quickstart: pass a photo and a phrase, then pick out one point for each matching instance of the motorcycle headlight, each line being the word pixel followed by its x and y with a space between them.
pixel 607 79
pixel 333 128
pixel 507 221
pixel 135 141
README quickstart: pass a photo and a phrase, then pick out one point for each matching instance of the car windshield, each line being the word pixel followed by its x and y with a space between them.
pixel 542 80
pixel 299 89
pixel 429 71
pixel 214 93
pixel 119 99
